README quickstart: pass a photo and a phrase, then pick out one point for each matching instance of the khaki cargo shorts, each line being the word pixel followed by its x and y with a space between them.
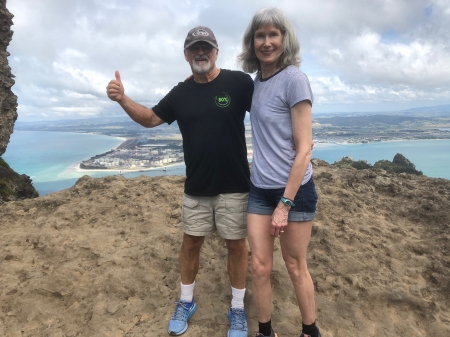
pixel 225 213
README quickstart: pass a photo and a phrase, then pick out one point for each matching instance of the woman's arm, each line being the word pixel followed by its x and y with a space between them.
pixel 302 131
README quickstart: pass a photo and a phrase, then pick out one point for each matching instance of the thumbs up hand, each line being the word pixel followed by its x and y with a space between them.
pixel 114 89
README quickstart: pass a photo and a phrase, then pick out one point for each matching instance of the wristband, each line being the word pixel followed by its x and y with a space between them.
pixel 287 202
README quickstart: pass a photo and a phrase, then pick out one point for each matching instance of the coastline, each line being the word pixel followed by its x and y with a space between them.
pixel 393 140
pixel 123 141
pixel 76 168
pixel 74 171
pixel 330 152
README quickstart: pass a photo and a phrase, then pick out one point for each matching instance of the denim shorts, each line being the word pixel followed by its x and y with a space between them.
pixel 264 201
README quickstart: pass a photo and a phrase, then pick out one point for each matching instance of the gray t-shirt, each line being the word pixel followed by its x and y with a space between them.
pixel 270 115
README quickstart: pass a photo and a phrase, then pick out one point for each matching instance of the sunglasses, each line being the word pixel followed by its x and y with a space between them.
pixel 203 46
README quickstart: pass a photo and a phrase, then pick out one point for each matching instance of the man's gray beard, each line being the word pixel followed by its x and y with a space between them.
pixel 201 69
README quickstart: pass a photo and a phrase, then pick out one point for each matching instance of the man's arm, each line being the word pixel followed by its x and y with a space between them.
pixel 139 113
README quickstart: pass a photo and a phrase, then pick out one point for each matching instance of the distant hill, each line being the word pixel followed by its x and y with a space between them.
pixel 96 121
pixel 425 111
pixel 357 121
pixel 111 126
pixel 93 120
pixel 443 109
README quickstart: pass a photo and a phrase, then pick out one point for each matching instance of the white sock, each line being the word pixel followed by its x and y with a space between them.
pixel 237 300
pixel 187 292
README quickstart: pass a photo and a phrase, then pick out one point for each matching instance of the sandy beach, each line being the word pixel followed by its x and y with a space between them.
pixel 74 170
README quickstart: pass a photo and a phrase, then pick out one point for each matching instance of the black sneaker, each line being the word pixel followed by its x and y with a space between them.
pixel 306 335
pixel 272 334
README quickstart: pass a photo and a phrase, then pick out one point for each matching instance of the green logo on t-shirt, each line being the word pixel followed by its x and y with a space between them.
pixel 223 101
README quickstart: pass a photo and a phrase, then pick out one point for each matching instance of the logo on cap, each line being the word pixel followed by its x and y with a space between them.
pixel 200 32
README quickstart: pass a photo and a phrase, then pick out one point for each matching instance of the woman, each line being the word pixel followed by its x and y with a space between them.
pixel 283 199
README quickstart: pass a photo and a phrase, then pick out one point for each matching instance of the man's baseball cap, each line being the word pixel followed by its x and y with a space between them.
pixel 200 33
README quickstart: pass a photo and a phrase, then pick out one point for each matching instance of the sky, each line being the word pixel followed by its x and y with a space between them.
pixel 359 55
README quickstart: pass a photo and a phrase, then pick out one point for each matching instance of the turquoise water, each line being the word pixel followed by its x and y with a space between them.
pixel 432 157
pixel 47 157
pixel 47 187
pixel 44 156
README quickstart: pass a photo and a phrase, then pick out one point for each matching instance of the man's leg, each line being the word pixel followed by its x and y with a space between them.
pixel 189 262
pixel 232 226
pixel 237 262
pixel 190 257
pixel 237 270
pixel 197 219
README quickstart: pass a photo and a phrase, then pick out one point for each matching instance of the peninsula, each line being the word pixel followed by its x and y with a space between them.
pixel 145 148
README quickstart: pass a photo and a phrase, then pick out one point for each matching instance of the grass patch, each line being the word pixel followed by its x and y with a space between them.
pixel 5 189
pixel 3 163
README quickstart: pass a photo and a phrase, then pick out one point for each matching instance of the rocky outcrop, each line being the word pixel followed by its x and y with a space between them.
pixel 400 164
pixel 101 259
pixel 8 101
pixel 13 186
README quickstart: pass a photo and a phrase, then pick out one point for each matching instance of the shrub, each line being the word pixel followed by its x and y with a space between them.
pixel 3 163
pixel 5 189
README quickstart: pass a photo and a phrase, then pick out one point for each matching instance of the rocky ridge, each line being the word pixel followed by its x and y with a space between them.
pixel 400 164
pixel 100 259
pixel 8 101
pixel 13 186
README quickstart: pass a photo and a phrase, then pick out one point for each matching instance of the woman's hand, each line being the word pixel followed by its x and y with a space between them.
pixel 279 219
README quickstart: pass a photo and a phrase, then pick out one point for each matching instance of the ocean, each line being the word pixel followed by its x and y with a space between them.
pixel 50 158
pixel 432 157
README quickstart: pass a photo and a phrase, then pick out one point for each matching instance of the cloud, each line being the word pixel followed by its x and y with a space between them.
pixel 357 53
pixel 330 91
pixel 378 52
pixel 366 58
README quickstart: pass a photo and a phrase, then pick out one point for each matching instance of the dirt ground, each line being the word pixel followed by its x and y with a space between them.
pixel 101 259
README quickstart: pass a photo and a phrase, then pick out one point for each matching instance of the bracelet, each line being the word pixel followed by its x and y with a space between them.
pixel 287 202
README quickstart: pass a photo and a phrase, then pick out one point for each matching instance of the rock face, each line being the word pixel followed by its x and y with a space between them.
pixel 399 164
pixel 101 259
pixel 8 101
pixel 13 186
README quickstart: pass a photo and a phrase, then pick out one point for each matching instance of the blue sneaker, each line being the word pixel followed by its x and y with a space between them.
pixel 183 311
pixel 238 323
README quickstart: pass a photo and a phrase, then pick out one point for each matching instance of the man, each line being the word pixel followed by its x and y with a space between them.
pixel 210 109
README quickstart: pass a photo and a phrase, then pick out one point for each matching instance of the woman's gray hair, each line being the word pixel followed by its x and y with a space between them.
pixel 291 46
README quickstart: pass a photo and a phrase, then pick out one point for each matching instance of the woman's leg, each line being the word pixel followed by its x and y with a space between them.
pixel 294 244
pixel 261 246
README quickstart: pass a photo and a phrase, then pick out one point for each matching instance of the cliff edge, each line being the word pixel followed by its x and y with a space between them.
pixel 8 101
pixel 13 186
pixel 101 259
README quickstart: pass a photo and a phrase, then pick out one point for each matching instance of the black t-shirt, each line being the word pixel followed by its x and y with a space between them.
pixel 211 120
